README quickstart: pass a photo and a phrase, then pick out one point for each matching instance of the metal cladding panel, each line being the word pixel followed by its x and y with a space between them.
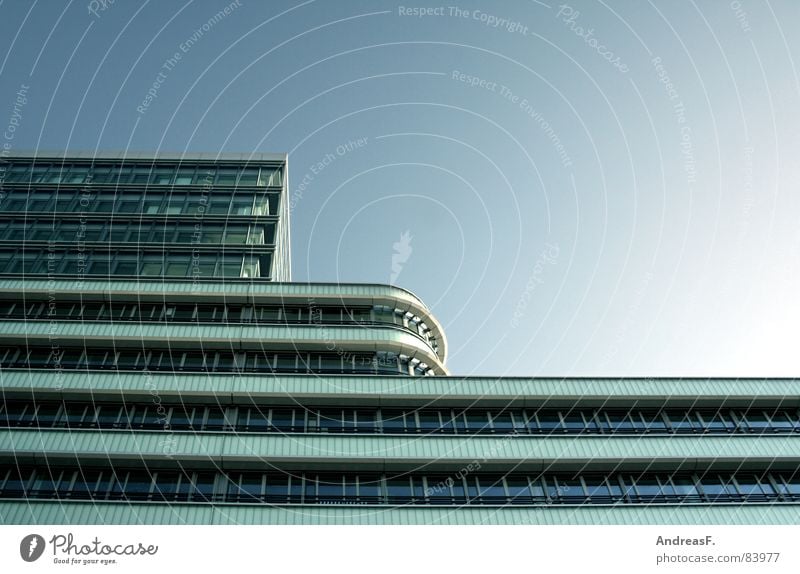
pixel 230 449
pixel 70 512
pixel 200 332
pixel 110 445
pixel 422 390
pixel 222 287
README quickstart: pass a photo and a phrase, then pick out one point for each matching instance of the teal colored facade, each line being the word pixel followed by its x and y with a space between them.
pixel 158 366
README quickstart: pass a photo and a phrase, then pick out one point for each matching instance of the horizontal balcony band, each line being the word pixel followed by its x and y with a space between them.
pixel 159 449
pixel 99 512
pixel 176 217
pixel 158 288
pixel 136 217
pixel 127 156
pixel 223 291
pixel 147 247
pixel 373 390
pixel 236 337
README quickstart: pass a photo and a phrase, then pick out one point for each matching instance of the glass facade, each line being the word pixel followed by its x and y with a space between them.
pixel 150 357
pixel 140 173
pixel 372 420
pixel 194 219
pixel 442 489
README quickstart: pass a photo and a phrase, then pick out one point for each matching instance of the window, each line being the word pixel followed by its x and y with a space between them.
pixel 184 176
pixel 270 177
pixel 176 268
pixel 230 267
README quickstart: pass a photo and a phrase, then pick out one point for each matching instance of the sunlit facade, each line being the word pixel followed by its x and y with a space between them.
pixel 158 366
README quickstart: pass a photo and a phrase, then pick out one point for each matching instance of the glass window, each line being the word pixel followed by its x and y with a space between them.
pixel 683 486
pixel 138 485
pixel 477 421
pixel 398 489
pixel 491 489
pixel 226 176
pixel 101 174
pixel 203 486
pixel 257 420
pixel 151 268
pixel 241 207
pixel 654 422
pixel 249 176
pixel 429 421
pixel 648 487
pixel 713 487
pixel 717 421
pixel 176 268
pixel 235 234
pixel 597 489
pixel 683 422
pixel 219 206
pixel 205 176
pixel 329 487
pixel 750 487
pixel 163 175
pixel 261 206
pixel 165 486
pixel 270 177
pixel 141 175
pixel 282 419
pixel 518 489
pixel 184 176
pixel 548 421
pixel 369 488
pixel 757 421
pixel 393 421
pixel 277 487
pixel 251 486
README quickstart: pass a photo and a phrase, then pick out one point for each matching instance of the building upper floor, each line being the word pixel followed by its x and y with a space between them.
pixel 203 216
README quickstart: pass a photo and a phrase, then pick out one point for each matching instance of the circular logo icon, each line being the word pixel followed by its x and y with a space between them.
pixel 31 547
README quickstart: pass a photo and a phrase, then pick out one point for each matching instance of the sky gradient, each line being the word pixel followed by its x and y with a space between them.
pixel 583 189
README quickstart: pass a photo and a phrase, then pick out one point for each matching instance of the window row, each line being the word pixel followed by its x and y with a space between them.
pixel 413 489
pixel 129 202
pixel 141 174
pixel 263 361
pixel 266 314
pixel 171 262
pixel 131 415
pixel 125 231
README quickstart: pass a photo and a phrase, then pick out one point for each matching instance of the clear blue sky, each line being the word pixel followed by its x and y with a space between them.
pixel 593 188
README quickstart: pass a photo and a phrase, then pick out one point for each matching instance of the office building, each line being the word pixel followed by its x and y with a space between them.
pixel 157 365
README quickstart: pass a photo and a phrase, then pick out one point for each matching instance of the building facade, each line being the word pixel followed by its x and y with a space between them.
pixel 157 365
